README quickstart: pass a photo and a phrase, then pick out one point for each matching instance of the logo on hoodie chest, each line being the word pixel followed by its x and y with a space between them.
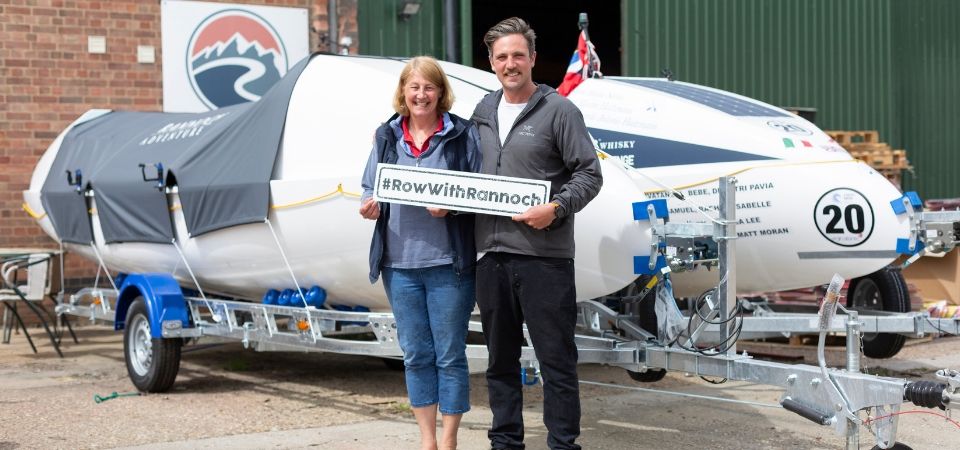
pixel 527 131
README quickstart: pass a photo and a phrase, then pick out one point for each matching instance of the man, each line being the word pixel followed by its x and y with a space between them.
pixel 526 272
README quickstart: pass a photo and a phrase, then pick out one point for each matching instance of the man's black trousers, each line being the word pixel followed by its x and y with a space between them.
pixel 512 289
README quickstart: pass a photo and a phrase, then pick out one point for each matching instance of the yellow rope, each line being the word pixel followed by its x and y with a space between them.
pixel 339 191
pixel 737 172
pixel 32 213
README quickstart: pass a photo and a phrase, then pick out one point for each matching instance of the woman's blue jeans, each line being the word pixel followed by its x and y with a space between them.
pixel 432 307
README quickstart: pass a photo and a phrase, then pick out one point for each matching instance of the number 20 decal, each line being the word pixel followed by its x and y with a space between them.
pixel 844 217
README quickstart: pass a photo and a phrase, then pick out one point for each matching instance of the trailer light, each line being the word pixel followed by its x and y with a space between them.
pixel 303 324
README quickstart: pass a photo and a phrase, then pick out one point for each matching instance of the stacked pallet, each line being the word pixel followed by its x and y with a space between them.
pixel 866 146
pixel 813 295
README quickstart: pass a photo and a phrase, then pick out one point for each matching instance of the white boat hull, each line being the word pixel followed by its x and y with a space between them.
pixel 327 139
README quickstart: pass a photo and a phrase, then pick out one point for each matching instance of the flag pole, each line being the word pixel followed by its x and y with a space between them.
pixel 583 22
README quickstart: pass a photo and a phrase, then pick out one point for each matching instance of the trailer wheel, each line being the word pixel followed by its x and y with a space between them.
pixel 650 376
pixel 883 290
pixel 394 364
pixel 896 446
pixel 151 363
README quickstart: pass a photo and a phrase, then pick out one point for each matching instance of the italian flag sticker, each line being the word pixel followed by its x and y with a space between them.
pixel 789 143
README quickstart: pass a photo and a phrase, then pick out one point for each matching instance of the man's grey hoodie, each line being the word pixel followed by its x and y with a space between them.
pixel 548 141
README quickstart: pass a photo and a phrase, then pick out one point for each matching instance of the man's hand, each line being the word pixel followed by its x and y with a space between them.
pixel 539 217
pixel 437 212
pixel 370 209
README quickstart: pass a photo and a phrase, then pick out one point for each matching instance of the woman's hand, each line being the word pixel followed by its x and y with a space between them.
pixel 437 212
pixel 370 209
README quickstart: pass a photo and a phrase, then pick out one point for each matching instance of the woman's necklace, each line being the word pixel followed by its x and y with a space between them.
pixel 419 135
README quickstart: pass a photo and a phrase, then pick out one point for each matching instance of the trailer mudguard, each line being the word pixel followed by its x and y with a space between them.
pixel 163 296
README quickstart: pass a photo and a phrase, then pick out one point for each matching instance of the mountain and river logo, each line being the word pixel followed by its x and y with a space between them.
pixel 234 56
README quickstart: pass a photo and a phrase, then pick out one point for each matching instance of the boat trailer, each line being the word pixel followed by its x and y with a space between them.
pixel 158 318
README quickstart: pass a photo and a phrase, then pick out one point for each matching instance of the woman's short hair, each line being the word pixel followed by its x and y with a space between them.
pixel 429 69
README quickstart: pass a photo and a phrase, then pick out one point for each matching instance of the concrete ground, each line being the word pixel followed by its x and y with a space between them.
pixel 227 397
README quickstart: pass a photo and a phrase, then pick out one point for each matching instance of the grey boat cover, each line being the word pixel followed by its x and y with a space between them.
pixel 220 160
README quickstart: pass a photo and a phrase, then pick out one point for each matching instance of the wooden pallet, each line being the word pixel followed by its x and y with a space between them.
pixel 845 138
pixel 879 155
pixel 866 146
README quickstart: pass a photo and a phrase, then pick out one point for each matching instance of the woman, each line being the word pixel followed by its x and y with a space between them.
pixel 426 255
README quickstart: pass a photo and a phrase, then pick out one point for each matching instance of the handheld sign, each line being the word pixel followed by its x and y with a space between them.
pixel 460 191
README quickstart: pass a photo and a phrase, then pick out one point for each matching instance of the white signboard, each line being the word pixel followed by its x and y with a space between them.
pixel 461 191
pixel 221 54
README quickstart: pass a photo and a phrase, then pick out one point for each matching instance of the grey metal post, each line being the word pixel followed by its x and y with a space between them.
pixel 727 248
pixel 333 23
pixel 451 39
pixel 853 365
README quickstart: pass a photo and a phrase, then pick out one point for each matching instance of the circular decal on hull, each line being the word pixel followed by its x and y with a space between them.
pixel 844 217
pixel 787 127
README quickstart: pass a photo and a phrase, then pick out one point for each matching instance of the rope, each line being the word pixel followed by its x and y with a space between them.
pixel 737 172
pixel 104 267
pixel 32 213
pixel 665 188
pixel 338 191
pixel 215 316
pixel 97 398
pixel 292 275
pixel 698 207
pixel 63 274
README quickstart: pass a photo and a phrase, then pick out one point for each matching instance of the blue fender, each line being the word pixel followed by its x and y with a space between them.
pixel 163 296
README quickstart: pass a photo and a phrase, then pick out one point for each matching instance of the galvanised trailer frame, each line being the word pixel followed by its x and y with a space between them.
pixel 157 318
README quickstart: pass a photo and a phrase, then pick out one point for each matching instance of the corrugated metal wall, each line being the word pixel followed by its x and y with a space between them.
pixel 830 54
pixel 926 37
pixel 383 33
pixel 889 65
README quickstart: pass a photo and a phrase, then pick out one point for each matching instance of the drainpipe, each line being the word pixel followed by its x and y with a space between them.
pixel 333 26
pixel 451 39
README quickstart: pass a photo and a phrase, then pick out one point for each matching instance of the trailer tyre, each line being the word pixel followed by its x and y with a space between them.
pixel 151 363
pixel 896 446
pixel 394 364
pixel 883 290
pixel 650 376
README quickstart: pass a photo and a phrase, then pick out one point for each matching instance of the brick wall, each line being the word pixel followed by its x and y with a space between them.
pixel 47 79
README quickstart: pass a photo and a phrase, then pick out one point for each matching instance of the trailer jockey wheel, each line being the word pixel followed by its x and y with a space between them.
pixel 883 290
pixel 644 310
pixel 152 363
pixel 626 302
